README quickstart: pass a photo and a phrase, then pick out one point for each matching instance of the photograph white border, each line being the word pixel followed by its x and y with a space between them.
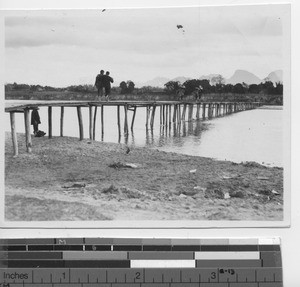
pixel 164 224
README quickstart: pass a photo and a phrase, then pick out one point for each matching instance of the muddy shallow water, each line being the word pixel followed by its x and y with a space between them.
pixel 255 135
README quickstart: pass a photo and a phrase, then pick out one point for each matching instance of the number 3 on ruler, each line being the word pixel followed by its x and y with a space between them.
pixel 213 275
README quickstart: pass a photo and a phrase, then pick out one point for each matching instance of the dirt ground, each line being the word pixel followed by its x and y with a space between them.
pixel 68 179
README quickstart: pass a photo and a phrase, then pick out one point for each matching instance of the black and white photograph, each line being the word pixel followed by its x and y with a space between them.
pixel 147 114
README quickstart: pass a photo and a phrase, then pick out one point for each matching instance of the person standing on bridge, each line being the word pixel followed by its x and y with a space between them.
pixel 99 83
pixel 107 80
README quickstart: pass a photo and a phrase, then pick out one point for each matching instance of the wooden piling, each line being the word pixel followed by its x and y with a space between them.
pixel 94 124
pixel 203 110
pixel 170 114
pixel 133 118
pixel 183 112
pixel 167 114
pixel 27 131
pixel 91 122
pixel 147 116
pixel 191 107
pixel 152 117
pixel 102 121
pixel 160 121
pixel 174 113
pixel 198 111
pixel 14 133
pixel 49 122
pixel 126 119
pixel 119 121
pixel 62 112
pixel 80 123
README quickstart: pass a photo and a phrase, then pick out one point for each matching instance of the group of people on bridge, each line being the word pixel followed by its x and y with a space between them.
pixel 103 84
pixel 197 93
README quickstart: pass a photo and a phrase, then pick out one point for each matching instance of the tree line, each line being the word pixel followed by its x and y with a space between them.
pixel 189 86
pixel 128 87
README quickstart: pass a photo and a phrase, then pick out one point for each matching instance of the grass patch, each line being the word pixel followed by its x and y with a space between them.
pixel 21 208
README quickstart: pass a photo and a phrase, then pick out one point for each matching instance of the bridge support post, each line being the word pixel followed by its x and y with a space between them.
pixel 203 111
pixel 191 106
pixel 91 122
pixel 209 111
pixel 94 124
pixel 183 112
pixel 147 116
pixel 62 111
pixel 126 119
pixel 152 117
pixel 119 120
pixel 160 115
pixel 167 114
pixel 174 113
pixel 14 133
pixel 80 123
pixel 27 130
pixel 133 118
pixel 102 121
pixel 179 113
pixel 198 111
pixel 49 122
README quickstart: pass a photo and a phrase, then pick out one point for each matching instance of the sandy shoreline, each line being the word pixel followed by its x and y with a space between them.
pixel 68 179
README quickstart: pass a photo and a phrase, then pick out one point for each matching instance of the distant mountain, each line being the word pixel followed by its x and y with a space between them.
pixel 210 77
pixel 156 82
pixel 160 81
pixel 241 76
pixel 275 77
pixel 181 79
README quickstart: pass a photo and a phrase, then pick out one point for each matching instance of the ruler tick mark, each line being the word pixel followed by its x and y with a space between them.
pixel 258 274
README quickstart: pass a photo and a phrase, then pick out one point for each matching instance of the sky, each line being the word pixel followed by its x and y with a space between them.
pixel 69 47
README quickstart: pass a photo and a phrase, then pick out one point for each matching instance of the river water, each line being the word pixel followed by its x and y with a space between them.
pixel 255 135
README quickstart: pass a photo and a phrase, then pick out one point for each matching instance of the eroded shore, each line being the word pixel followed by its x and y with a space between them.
pixel 67 179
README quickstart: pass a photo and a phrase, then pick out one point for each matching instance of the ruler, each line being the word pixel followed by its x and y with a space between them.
pixel 140 262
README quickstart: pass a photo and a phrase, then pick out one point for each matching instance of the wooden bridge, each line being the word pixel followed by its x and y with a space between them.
pixel 169 112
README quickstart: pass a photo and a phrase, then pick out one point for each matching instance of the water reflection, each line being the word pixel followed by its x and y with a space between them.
pixel 174 134
pixel 246 136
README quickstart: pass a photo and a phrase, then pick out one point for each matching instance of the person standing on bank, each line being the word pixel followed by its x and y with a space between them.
pixel 107 79
pixel 99 83
pixel 35 120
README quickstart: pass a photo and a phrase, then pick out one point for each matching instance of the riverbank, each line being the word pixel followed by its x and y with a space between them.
pixel 67 179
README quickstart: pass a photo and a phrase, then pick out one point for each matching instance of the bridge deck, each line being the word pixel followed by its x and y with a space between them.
pixel 20 105
pixel 170 112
